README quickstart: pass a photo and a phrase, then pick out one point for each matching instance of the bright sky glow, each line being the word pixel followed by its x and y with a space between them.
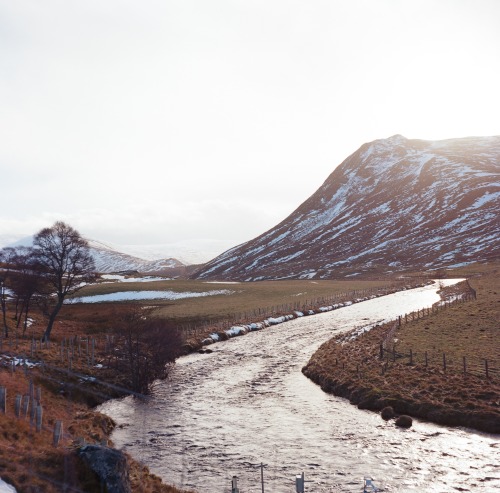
pixel 183 120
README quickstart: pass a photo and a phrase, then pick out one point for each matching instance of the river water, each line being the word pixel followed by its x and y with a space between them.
pixel 223 414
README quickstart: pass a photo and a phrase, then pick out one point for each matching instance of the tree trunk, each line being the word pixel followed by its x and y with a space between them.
pixel 53 315
pixel 26 316
pixel 18 318
pixel 4 310
pixel 17 307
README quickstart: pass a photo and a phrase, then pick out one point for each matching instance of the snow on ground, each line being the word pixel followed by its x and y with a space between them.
pixel 221 282
pixel 120 278
pixel 144 295
pixel 6 488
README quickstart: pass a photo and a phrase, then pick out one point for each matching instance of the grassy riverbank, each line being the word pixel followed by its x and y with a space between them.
pixel 443 367
pixel 29 459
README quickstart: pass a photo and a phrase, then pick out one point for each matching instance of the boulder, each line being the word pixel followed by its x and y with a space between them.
pixel 404 421
pixel 387 413
pixel 110 465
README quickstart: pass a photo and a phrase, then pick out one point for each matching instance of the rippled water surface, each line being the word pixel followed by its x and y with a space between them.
pixel 222 414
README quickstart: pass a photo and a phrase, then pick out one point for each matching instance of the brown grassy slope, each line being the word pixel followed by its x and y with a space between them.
pixel 354 369
pixel 28 459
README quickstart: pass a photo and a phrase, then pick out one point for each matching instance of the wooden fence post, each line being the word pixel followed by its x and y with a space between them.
pixel 17 405
pixel 411 357
pixel 58 431
pixel 3 399
pixel 426 361
pixel 25 405
pixel 39 415
pixel 32 410
pixel 31 390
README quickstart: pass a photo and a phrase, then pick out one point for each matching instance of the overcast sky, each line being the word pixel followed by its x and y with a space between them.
pixel 148 122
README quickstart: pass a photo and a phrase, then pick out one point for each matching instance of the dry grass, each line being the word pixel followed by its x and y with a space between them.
pixel 28 459
pixel 471 329
pixel 245 301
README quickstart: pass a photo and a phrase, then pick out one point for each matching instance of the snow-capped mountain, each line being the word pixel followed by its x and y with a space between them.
pixel 108 259
pixel 10 239
pixel 394 204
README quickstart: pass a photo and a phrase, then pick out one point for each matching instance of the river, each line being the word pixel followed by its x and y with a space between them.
pixel 223 414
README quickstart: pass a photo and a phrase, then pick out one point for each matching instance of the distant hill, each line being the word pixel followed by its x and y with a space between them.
pixel 395 205
pixel 109 260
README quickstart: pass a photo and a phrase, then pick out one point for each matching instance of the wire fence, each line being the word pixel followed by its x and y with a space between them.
pixel 305 305
pixel 488 368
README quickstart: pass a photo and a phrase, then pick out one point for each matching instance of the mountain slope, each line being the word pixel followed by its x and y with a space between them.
pixel 395 203
pixel 109 260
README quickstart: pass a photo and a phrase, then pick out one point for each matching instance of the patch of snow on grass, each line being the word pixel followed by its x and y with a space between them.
pixel 120 278
pixel 487 197
pixel 6 488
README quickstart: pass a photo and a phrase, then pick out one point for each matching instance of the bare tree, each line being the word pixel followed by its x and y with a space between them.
pixel 65 263
pixel 8 258
pixel 24 280
pixel 3 259
pixel 146 348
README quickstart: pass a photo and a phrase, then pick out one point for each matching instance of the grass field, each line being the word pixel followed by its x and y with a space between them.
pixel 246 301
pixel 437 389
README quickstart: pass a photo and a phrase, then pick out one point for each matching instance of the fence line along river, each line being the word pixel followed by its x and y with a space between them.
pixel 223 414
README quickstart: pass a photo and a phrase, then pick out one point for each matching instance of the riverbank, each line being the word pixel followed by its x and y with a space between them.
pixel 30 460
pixel 212 334
pixel 413 379
pixel 74 379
